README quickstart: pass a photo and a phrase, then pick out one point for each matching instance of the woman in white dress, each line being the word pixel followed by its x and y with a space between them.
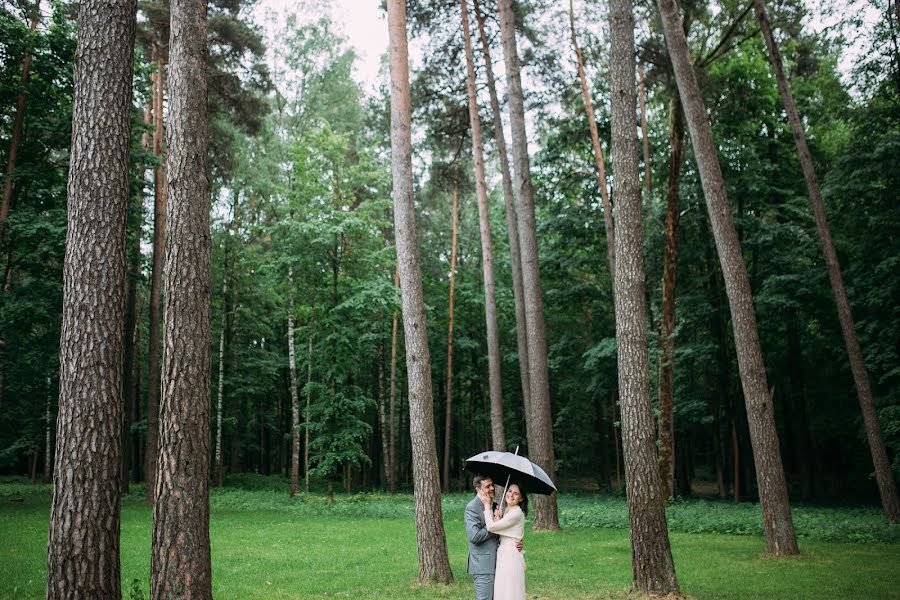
pixel 509 578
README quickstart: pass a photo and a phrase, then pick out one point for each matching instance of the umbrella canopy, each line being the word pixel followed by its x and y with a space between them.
pixel 501 466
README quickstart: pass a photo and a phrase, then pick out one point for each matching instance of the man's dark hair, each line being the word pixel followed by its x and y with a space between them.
pixel 479 479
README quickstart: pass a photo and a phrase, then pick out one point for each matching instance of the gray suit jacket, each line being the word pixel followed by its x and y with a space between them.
pixel 482 543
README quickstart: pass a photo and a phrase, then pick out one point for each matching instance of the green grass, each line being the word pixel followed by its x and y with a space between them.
pixel 268 547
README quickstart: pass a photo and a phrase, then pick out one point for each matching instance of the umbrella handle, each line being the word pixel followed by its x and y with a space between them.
pixel 503 499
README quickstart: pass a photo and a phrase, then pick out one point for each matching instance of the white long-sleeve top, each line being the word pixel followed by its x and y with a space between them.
pixel 511 525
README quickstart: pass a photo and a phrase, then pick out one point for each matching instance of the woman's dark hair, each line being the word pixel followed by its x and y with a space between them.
pixel 523 503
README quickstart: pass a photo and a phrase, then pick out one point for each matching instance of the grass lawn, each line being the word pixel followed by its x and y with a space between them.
pixel 268 547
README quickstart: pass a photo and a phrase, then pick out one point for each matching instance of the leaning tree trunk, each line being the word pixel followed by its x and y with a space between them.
pixel 598 151
pixel 18 119
pixel 776 510
pixel 449 405
pixel 653 570
pixel 431 541
pixel 160 192
pixel 667 335
pixel 83 547
pixel 541 442
pixel 887 487
pixel 295 398
pixel 512 225
pixel 180 559
pixel 498 437
pixel 392 473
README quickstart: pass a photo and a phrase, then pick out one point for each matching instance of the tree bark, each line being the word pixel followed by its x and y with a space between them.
pixel 295 398
pixel 18 119
pixel 645 140
pixel 598 150
pixel 667 335
pixel 541 442
pixel 83 546
pixel 776 511
pixel 653 570
pixel 448 422
pixel 887 487
pixel 160 188
pixel 431 541
pixel 498 435
pixel 512 226
pixel 180 560
pixel 392 472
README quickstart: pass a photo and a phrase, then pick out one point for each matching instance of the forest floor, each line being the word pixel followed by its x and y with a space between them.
pixel 267 546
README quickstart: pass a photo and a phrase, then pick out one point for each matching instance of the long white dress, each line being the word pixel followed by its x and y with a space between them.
pixel 509 578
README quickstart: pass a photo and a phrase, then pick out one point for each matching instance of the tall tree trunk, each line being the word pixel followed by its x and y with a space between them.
pixel 645 140
pixel 512 225
pixel 887 487
pixel 220 391
pixel 449 404
pixel 83 546
pixel 295 398
pixel 653 570
pixel 382 419
pixel 776 510
pixel 431 541
pixel 160 193
pixel 598 150
pixel 18 119
pixel 541 442
pixel 180 559
pixel 667 335
pixel 498 436
pixel 309 355
pixel 392 472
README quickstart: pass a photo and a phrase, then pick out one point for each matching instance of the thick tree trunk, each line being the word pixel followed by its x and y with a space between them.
pixel 887 487
pixel 598 150
pixel 653 570
pixel 160 190
pixel 180 560
pixel 448 421
pixel 431 541
pixel 295 397
pixel 512 225
pixel 18 119
pixel 498 435
pixel 392 462
pixel 667 335
pixel 220 389
pixel 541 428
pixel 83 547
pixel 776 510
pixel 645 141
pixel 306 413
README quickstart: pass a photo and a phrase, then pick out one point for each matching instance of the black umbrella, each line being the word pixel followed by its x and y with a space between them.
pixel 498 465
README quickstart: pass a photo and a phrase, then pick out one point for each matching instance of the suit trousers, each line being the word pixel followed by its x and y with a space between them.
pixel 484 586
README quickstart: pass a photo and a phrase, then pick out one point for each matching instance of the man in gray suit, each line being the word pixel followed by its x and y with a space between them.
pixel 482 543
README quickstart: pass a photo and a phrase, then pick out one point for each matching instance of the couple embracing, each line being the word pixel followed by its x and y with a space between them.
pixel 495 541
